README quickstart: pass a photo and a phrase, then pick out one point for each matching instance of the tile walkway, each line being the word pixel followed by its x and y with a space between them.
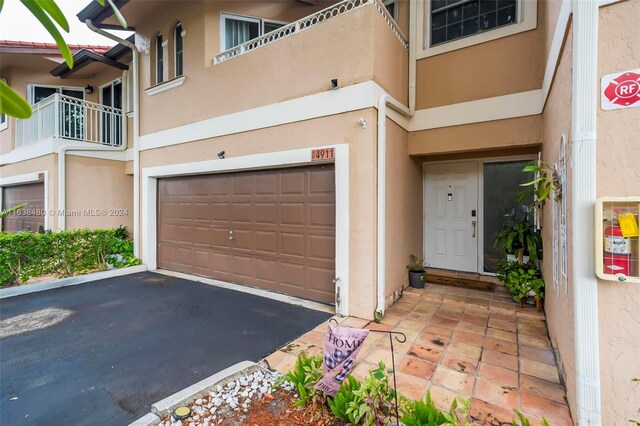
pixel 460 342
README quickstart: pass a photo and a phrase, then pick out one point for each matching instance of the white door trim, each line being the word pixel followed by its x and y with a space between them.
pixel 480 191
pixel 26 179
pixel 296 157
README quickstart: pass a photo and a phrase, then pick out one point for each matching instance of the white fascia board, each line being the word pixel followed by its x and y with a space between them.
pixel 346 99
pixel 51 146
pixel 497 108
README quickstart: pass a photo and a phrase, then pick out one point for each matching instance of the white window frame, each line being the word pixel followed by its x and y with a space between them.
pixel 31 90
pixel 526 19
pixel 260 21
pixel 394 15
pixel 4 119
pixel 159 67
pixel 175 49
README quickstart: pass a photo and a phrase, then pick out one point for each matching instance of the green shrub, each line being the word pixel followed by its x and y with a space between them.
pixel 24 255
pixel 339 404
pixel 373 404
pixel 304 376
pixel 422 413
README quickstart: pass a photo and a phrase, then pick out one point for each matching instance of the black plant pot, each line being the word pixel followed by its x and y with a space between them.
pixel 417 279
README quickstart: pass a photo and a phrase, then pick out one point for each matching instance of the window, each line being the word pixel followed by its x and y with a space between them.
pixel 159 59
pixel 236 30
pixel 178 50
pixel 392 8
pixel 455 19
pixel 38 93
pixel 111 124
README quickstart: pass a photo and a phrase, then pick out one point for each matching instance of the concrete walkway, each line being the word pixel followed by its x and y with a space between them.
pixel 460 342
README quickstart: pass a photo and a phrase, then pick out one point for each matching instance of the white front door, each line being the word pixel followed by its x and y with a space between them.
pixel 451 216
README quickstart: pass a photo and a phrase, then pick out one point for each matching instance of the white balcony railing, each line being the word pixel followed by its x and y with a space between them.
pixel 64 117
pixel 310 21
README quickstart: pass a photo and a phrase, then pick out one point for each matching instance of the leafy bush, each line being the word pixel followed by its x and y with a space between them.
pixel 373 403
pixel 24 255
pixel 422 413
pixel 339 404
pixel 521 279
pixel 304 376
pixel 525 422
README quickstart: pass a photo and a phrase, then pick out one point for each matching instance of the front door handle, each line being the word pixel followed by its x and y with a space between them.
pixel 473 223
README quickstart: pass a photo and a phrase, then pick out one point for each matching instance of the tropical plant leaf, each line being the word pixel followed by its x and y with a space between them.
pixel 46 22
pixel 117 14
pixel 12 104
pixel 1 4
pixel 54 11
pixel 532 168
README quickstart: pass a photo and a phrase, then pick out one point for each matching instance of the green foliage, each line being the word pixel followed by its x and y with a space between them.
pixel 373 403
pixel 24 255
pixel 422 413
pixel 304 376
pixel 416 264
pixel 525 422
pixel 339 404
pixel 520 236
pixel 541 188
pixel 7 212
pixel 521 279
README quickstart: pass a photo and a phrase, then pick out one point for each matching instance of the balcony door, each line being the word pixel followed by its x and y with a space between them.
pixel 70 112
pixel 111 122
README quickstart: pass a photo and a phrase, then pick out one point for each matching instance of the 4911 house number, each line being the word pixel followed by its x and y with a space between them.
pixel 323 154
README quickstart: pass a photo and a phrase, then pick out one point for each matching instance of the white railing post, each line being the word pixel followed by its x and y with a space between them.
pixel 56 117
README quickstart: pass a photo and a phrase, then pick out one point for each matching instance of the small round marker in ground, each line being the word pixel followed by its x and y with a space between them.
pixel 181 413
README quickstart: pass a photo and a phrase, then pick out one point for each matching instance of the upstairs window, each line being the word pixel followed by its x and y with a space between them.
pixel 178 59
pixel 392 8
pixel 159 59
pixel 240 29
pixel 455 19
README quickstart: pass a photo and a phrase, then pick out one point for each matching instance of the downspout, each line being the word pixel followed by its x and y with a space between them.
pixel 136 131
pixel 584 136
pixel 383 101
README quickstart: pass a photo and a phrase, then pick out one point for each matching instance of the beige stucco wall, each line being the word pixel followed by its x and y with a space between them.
pixel 403 209
pixel 507 65
pixel 618 174
pixel 559 301
pixel 342 48
pixel 499 134
pixel 337 129
pixel 101 186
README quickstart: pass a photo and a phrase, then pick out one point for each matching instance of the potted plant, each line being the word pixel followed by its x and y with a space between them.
pixel 522 280
pixel 417 276
pixel 522 240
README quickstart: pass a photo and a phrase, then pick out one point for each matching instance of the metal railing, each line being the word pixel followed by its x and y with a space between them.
pixel 64 117
pixel 310 21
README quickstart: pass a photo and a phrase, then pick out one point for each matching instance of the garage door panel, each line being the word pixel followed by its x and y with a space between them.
pixel 32 217
pixel 283 224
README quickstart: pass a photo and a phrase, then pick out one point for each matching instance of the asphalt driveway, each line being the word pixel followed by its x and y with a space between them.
pixel 112 348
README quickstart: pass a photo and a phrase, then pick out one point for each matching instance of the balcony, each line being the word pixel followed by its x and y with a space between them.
pixel 64 117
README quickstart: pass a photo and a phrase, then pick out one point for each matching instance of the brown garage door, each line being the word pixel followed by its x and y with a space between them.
pixel 32 216
pixel 272 229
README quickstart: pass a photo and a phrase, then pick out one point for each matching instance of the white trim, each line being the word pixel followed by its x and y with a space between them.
pixel 497 108
pixel 67 282
pixel 52 146
pixel 25 179
pixel 527 20
pixel 175 49
pixel 149 182
pixel 280 297
pixel 351 98
pixel 165 85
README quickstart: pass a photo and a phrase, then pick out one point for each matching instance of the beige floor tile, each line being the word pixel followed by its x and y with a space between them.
pixel 464 349
pixel 442 398
pixel 458 382
pixel 411 386
pixel 540 370
pixel 425 353
pixel 418 368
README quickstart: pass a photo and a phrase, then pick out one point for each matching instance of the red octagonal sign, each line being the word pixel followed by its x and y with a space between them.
pixel 621 90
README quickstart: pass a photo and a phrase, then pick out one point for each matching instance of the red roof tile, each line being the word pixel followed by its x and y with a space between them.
pixel 36 45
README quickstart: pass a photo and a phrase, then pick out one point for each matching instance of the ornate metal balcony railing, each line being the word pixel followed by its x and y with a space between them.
pixel 64 117
pixel 310 21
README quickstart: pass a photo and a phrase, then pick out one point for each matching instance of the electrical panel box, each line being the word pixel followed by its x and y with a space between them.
pixel 617 239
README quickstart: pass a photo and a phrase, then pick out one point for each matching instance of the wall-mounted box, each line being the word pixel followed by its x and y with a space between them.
pixel 617 239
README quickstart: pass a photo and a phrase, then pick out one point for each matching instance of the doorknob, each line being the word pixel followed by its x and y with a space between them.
pixel 473 223
pixel 231 235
